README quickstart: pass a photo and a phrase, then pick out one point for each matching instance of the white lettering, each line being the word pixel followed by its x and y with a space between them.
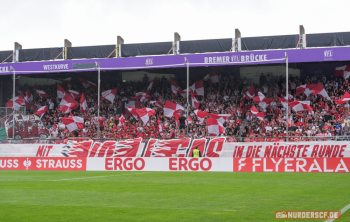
pixel 276 163
pixel 265 169
pixel 288 164
pixel 255 164
pixel 325 166
pixel 341 168
pixel 315 166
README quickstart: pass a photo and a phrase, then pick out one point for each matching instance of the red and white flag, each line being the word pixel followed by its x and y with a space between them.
pixel 60 91
pixel 132 111
pixel 73 123
pixel 41 111
pixel 132 104
pixel 343 71
pixel 74 94
pixel 174 86
pixel 29 96
pixel 109 95
pixel 151 85
pixel 262 100
pixel 18 102
pixel 300 106
pixel 307 89
pixel 145 113
pixel 344 99
pixel 67 103
pixel 88 84
pixel 40 92
pixel 319 90
pixel 195 103
pixel 122 119
pixel 171 108
pixel 68 82
pixel 212 77
pixel 215 127
pixel 68 107
pixel 142 96
pixel 83 103
pixel 200 115
pixel 220 117
pixel 255 111
pixel 312 88
pixel 198 88
pixel 283 101
pixel 157 103
pixel 250 93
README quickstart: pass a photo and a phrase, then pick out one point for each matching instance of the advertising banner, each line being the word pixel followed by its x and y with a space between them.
pixel 213 148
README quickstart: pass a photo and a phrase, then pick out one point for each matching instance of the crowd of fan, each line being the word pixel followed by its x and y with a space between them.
pixel 226 97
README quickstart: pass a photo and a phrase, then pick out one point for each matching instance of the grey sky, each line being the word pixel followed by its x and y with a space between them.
pixel 46 23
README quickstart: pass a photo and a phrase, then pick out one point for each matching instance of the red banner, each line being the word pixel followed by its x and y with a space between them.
pixel 322 165
pixel 42 163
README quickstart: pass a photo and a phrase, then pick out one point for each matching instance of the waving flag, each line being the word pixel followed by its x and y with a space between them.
pixel 195 103
pixel 40 92
pixel 220 117
pixel 255 111
pixel 344 99
pixel 145 113
pixel 300 106
pixel 319 90
pixel 88 84
pixel 174 86
pixel 142 96
pixel 74 94
pixel 262 100
pixel 41 111
pixel 198 88
pixel 109 95
pixel 83 103
pixel 151 85
pixel 157 103
pixel 73 123
pixel 250 93
pixel 200 115
pixel 171 108
pixel 18 102
pixel 60 91
pixel 133 111
pixel 215 127
pixel 212 77
pixel 29 96
pixel 312 88
pixel 283 101
pixel 122 119
pixel 343 71
pixel 67 103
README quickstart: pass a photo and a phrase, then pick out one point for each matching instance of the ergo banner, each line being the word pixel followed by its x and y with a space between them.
pixel 320 165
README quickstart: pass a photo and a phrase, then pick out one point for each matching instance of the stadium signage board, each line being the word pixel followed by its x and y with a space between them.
pixel 195 60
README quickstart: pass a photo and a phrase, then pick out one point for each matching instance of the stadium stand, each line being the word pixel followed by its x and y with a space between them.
pixel 323 117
